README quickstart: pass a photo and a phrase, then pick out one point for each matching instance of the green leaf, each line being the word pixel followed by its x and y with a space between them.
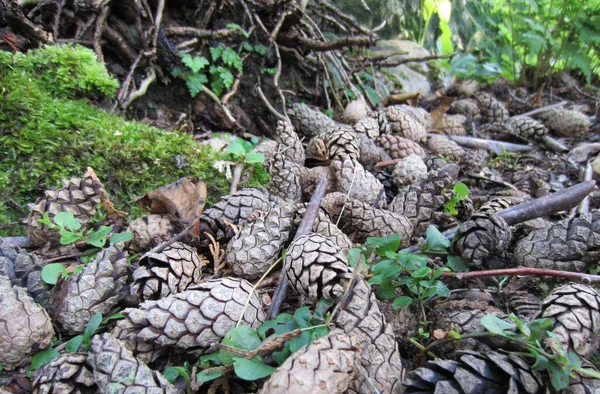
pixel 171 373
pixel 51 272
pixel 260 49
pixel 74 344
pixel 46 220
pixel 461 190
pixel 421 272
pixel 92 325
pixel 195 83
pixel 43 358
pixel 247 46
pixel 207 377
pixel 302 317
pixel 435 242
pixel 251 369
pixel 67 220
pixel 457 264
pixel 558 376
pixel 207 359
pixel 253 157
pixel 391 243
pixel 68 237
pixel 232 59
pixel 541 362
pixel 441 289
pixel 116 316
pixel 196 63
pixel 241 337
pixel 401 302
pixel 354 256
pixel 226 77
pixel 495 325
pixel 215 53
pixel 277 324
pixel 520 325
pixel 121 237
pixel 386 291
pixel 236 149
pixel 96 239
pixel 539 329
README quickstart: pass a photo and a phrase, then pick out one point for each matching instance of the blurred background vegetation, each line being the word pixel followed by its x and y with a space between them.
pixel 520 40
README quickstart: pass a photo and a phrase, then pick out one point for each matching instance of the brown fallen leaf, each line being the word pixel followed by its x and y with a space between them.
pixel 439 334
pixel 184 199
pixel 438 121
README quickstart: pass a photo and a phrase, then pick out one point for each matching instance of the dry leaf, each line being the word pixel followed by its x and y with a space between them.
pixel 439 334
pixel 583 152
pixel 437 115
pixel 184 199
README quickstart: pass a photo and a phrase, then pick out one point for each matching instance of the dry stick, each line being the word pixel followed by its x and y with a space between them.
pixel 268 104
pixel 176 238
pixel 497 147
pixel 588 175
pixel 157 21
pixel 543 109
pixel 560 201
pixel 100 21
pixel 312 210
pixel 345 17
pixel 237 175
pixel 394 63
pixel 585 278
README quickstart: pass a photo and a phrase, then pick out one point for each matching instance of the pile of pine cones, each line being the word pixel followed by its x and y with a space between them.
pixel 173 308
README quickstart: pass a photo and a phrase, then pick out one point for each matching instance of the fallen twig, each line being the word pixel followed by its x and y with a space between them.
pixel 497 147
pixel 394 63
pixel 237 175
pixel 537 111
pixel 585 278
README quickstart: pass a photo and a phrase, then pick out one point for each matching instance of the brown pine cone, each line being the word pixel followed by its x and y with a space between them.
pixel 197 318
pixel 285 182
pixel 352 178
pixel 565 123
pixel 453 125
pixel 398 147
pixel 324 226
pixel 575 311
pixel 234 208
pixel 80 196
pixel 368 126
pixel 581 385
pixel 355 110
pixel 422 204
pixel 313 176
pixel 419 114
pixel 440 145
pixel 568 245
pixel 482 236
pixel 66 374
pixel 475 373
pixel 116 370
pixel 526 127
pixel 341 142
pixel 316 267
pixel 305 372
pixel 95 289
pixel 410 170
pixel 403 123
pixel 149 231
pixel 370 153
pixel 496 205
pixel 254 249
pixel 474 160
pixel 378 363
pixel 467 107
pixel 25 327
pixel 492 110
pixel 523 304
pixel 169 272
pixel 363 221
pixel 291 147
pixel 310 122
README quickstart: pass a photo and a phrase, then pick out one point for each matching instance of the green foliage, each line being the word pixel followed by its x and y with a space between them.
pixel 542 345
pixel 173 372
pixel 47 135
pixel 460 192
pixel 246 340
pixel 43 358
pixel 241 150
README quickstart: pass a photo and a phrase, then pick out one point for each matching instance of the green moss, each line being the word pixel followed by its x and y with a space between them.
pixel 47 135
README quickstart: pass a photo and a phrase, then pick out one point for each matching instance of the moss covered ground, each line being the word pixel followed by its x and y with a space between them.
pixel 48 131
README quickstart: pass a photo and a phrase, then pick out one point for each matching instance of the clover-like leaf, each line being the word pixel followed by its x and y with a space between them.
pixel 253 369
pixel 51 272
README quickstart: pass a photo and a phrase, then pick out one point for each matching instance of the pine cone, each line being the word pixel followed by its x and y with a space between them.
pixel 453 125
pixel 292 147
pixel 149 231
pixel 475 373
pixel 267 148
pixel 25 327
pixel 370 153
pixel 404 124
pixel 565 123
pixel 492 110
pixel 364 221
pixel 326 366
pixel 440 145
pixel 169 272
pixel 474 160
pixel 95 289
pixel 575 311
pixel 419 114
pixel 355 110
pixel 496 205
pixel 581 385
pixel 234 208
pixel 368 126
pixel 398 147
pixel 254 249
pixel 341 142
pixel 80 196
pixel 467 107
pixel 352 178
pixel 378 363
pixel 66 374
pixel 410 170
pixel 568 245
pixel 323 225
pixel 482 236
pixel 117 371
pixel 197 318
pixel 310 122
pixel 285 183
pixel 526 127
pixel 316 267
pixel 421 204
pixel 313 176
pixel 523 304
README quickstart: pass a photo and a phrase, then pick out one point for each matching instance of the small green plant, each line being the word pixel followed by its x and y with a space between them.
pixel 241 151
pixel 460 192
pixel 171 373
pixel 243 348
pixel 541 344
pixel 75 344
